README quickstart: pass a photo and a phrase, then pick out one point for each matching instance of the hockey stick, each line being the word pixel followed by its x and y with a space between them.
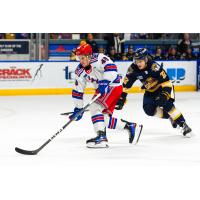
pixel 34 152
pixel 69 113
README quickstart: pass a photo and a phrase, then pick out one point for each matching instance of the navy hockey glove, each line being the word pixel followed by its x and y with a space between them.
pixel 76 110
pixel 162 99
pixel 121 101
pixel 103 87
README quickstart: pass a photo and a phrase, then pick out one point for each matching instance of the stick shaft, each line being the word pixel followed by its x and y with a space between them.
pixel 69 113
pixel 69 122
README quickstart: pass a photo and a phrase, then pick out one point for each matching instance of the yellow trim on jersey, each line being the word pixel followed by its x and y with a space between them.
pixel 166 84
pixel 172 111
pixel 154 89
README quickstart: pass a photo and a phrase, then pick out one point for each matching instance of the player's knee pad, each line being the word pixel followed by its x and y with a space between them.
pixel 149 109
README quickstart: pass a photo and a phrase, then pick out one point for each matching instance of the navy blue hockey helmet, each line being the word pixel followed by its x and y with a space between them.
pixel 140 54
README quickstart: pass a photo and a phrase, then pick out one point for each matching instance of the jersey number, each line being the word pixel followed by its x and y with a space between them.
pixel 104 59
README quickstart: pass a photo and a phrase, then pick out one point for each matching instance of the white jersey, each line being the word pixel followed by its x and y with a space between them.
pixel 102 68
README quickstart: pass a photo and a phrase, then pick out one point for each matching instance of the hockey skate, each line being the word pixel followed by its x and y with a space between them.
pixel 98 142
pixel 186 130
pixel 134 131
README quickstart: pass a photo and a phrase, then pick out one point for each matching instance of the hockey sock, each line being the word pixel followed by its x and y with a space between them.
pixel 98 122
pixel 177 116
pixel 114 123
pixel 180 120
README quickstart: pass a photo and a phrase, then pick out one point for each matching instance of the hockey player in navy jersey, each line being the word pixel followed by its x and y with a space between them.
pixel 159 92
pixel 101 71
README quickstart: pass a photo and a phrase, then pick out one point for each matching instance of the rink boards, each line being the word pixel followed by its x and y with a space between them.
pixel 39 78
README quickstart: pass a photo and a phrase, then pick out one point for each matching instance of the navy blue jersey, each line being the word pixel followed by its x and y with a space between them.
pixel 152 77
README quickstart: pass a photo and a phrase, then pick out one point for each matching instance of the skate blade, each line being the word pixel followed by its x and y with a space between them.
pixel 188 135
pixel 138 133
pixel 97 146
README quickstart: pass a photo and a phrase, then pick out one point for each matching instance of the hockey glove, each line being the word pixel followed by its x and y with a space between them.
pixel 162 99
pixel 76 110
pixel 103 87
pixel 121 101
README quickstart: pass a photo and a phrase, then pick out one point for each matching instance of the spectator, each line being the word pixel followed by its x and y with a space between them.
pixel 54 36
pixel 83 42
pixel 58 36
pixel 92 43
pixel 143 35
pixel 22 35
pixel 2 36
pixel 134 36
pixel 184 44
pixel 66 36
pixel 172 54
pixel 159 54
pixel 157 35
pixel 116 41
pixel 10 36
pixel 113 55
pixel 129 54
pixel 73 55
pixel 124 57
pixel 188 55
pixel 101 50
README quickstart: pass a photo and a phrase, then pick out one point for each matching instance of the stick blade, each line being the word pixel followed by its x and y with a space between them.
pixel 25 152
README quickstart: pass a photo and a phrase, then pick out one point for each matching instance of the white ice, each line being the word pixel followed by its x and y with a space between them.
pixel 28 121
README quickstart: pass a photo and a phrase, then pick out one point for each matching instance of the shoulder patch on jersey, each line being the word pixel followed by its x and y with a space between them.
pixel 155 67
pixel 110 67
pixel 79 70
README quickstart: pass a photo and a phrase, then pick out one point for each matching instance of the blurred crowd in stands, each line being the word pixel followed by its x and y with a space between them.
pixel 10 36
pixel 183 50
pixel 115 49
pixel 126 36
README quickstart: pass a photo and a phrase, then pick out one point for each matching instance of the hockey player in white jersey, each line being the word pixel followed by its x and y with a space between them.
pixel 100 70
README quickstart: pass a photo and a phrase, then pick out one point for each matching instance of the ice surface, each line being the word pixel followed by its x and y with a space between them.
pixel 28 121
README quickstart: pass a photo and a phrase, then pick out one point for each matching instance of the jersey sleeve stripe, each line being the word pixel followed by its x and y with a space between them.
pixel 110 67
pixel 79 71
